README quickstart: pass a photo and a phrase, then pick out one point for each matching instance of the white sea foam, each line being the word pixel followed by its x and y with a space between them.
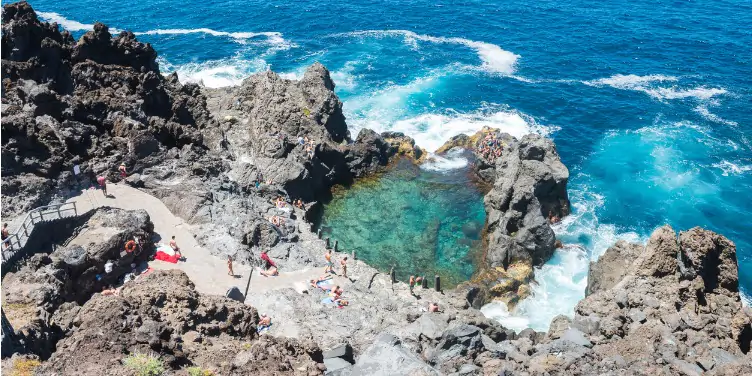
pixel 451 161
pixel 562 280
pixel 650 85
pixel 630 81
pixel 272 38
pixel 730 168
pixel 215 73
pixel 705 112
pixel 746 299
pixel 494 59
pixel 433 130
pixel 70 25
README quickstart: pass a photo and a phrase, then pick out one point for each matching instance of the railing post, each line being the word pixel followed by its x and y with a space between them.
pixel 393 275
pixel 353 255
pixel 336 243
pixel 328 246
pixel 437 285
pixel 424 283
pixel 75 209
pixel 318 233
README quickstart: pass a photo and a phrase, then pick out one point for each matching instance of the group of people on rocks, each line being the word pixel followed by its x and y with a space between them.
pixel 490 147
pixel 308 145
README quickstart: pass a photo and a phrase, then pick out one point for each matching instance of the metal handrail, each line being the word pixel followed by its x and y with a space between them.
pixel 17 240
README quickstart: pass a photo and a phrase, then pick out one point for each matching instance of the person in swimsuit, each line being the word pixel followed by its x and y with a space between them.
pixel 271 272
pixel 269 262
pixel 343 263
pixel 5 235
pixel 229 266
pixel 433 307
pixel 412 284
pixel 102 184
pixel 174 246
pixel 123 175
pixel 329 263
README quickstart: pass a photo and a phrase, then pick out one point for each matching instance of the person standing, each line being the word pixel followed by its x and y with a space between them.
pixel 329 263
pixel 343 263
pixel 5 236
pixel 174 246
pixel 229 266
pixel 123 175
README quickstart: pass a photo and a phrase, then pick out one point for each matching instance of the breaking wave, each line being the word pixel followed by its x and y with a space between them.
pixel 650 86
pixel 494 59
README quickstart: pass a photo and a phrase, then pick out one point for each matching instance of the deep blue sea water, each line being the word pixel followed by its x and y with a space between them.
pixel 648 102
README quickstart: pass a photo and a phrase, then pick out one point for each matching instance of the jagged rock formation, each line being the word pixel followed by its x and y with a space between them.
pixel 95 103
pixel 47 286
pixel 530 183
pixel 529 187
pixel 675 311
pixel 162 314
pixel 102 101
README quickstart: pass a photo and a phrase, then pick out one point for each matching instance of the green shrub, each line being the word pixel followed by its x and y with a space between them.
pixel 197 371
pixel 306 112
pixel 144 364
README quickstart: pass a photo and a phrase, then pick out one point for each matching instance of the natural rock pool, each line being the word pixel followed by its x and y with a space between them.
pixel 421 221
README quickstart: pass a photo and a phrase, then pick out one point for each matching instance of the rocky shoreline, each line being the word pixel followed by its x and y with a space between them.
pixel 218 158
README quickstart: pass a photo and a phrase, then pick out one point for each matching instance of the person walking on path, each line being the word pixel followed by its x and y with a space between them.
pixel 229 266
pixel 123 175
pixel 412 284
pixel 329 263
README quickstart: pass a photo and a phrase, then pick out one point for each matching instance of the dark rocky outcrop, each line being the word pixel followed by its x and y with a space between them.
pixel 163 315
pixel 610 267
pixel 36 296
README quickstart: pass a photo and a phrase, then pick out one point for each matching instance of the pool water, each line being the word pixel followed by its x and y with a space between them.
pixel 417 220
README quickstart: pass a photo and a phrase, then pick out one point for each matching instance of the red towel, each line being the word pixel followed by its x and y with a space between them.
pixel 165 257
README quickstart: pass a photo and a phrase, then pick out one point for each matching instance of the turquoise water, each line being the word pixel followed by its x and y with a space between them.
pixel 422 222
pixel 648 102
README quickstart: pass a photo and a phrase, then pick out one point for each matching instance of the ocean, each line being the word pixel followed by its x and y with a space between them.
pixel 648 102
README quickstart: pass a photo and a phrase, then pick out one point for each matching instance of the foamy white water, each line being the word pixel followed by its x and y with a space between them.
pixel 217 73
pixel 493 58
pixel 272 37
pixel 451 161
pixel 729 168
pixel 561 282
pixel 70 25
pixel 705 113
pixel 650 85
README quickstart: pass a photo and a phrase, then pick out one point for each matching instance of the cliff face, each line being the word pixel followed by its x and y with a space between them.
pixel 101 101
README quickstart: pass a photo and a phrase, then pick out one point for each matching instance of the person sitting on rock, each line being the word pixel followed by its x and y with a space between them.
pixel 271 272
pixel 174 246
pixel 433 307
pixel 264 323
pixel 281 202
pixel 109 290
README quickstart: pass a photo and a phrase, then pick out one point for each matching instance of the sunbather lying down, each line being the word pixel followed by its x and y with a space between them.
pixel 323 282
pixel 271 272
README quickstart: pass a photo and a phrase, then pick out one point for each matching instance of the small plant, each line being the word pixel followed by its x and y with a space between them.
pixel 24 367
pixel 306 111
pixel 197 371
pixel 144 364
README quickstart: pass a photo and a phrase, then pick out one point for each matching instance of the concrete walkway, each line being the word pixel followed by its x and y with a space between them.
pixel 208 272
